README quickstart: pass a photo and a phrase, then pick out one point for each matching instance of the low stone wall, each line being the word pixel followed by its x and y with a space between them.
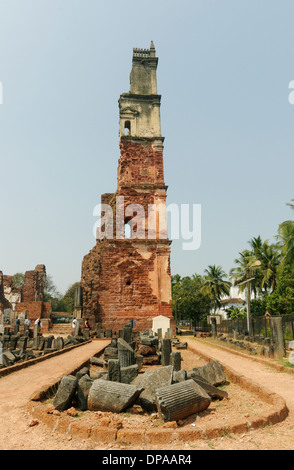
pixel 162 436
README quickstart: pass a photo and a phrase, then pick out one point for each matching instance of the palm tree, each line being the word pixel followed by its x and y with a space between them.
pixel 270 258
pixel 241 272
pixel 286 239
pixel 215 284
pixel 256 245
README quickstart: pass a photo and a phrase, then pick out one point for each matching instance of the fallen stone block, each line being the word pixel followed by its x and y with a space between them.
pixel 139 361
pixel 113 370
pixel 179 375
pixel 101 374
pixel 82 392
pixel 145 350
pixel 8 359
pixel 178 401
pixel 112 396
pixel 213 372
pixel 65 393
pixel 128 374
pixel 149 341
pixel 110 353
pixel 97 361
pixel 81 372
pixel 150 381
pixel 151 360
pixel 212 391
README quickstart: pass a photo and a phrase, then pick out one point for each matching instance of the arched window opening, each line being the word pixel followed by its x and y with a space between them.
pixel 127 127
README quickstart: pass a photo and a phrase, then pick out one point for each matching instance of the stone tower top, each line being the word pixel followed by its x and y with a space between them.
pixel 140 108
pixel 143 74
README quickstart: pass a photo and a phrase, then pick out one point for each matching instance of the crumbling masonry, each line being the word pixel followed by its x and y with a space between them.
pixel 129 278
pixel 26 300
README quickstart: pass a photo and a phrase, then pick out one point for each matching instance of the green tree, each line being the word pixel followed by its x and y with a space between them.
pixel 51 294
pixel 259 264
pixel 270 258
pixel 286 241
pixel 188 301
pixel 69 297
pixel 18 279
pixel 236 313
pixel 50 287
pixel 281 301
pixel 241 271
pixel 215 284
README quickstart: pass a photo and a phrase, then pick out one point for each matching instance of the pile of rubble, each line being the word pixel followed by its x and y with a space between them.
pixel 242 344
pixel 17 347
pixel 173 392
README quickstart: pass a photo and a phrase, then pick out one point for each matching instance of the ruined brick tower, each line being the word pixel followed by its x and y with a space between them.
pixel 129 278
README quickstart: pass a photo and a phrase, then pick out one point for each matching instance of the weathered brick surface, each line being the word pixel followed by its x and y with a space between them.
pixel 34 283
pixel 141 163
pixel 125 279
pixel 28 298
pixel 35 309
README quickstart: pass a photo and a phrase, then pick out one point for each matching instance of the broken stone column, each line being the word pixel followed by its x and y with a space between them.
pixel 86 333
pixel 13 342
pixel 126 355
pixel 170 333
pixel 114 370
pixel 113 343
pixel 98 330
pixel 175 360
pixel 16 329
pixel 77 328
pixel 58 343
pixel 213 328
pixel 23 344
pixel 180 400
pixel 159 333
pixel 165 351
pixel 36 330
pixel 278 337
pixel 111 396
pixel 127 333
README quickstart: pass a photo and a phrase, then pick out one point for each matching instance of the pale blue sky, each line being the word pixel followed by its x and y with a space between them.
pixel 224 70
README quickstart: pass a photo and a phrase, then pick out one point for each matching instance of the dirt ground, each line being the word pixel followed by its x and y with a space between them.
pixel 17 388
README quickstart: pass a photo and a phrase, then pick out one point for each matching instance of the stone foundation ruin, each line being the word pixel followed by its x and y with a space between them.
pixel 120 383
pixel 25 301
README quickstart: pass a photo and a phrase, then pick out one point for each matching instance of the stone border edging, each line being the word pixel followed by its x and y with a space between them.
pixel 22 365
pixel 161 436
